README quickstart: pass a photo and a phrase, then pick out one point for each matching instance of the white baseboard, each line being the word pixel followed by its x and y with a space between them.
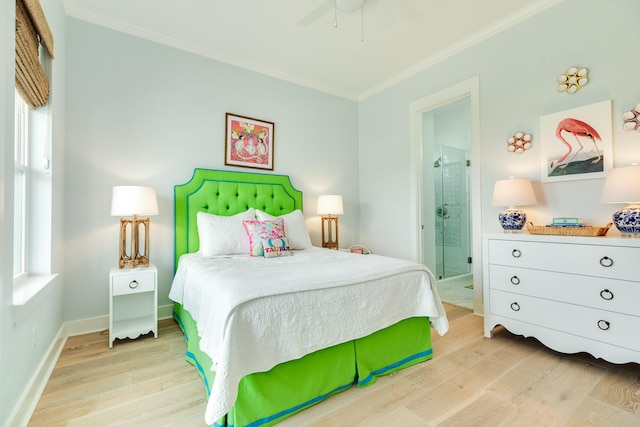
pixel 87 326
pixel 31 396
pixel 29 400
pixel 101 323
pixel 165 311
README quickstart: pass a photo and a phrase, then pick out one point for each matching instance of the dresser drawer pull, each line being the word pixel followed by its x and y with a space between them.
pixel 604 325
pixel 606 294
pixel 515 306
pixel 515 280
pixel 133 284
pixel 605 261
pixel 516 253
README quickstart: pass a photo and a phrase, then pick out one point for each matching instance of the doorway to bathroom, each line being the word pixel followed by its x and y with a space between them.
pixel 447 183
pixel 446 187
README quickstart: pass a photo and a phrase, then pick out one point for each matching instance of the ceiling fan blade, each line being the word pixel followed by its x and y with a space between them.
pixel 317 13
pixel 380 13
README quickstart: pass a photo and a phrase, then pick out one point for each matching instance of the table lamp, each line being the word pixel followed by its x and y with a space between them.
pixel 622 185
pixel 329 206
pixel 511 193
pixel 132 201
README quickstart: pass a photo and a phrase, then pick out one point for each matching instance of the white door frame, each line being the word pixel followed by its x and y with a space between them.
pixel 470 88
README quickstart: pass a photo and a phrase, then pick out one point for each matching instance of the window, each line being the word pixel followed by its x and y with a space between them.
pixel 32 191
pixel 21 179
pixel 33 185
pixel 32 250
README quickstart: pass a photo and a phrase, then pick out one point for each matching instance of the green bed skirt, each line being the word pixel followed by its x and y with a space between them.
pixel 266 398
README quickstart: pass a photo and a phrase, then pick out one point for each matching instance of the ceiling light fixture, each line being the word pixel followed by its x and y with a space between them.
pixel 349 6
pixel 377 12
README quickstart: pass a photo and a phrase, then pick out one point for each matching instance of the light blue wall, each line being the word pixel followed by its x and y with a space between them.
pixel 517 70
pixel 140 113
pixel 19 360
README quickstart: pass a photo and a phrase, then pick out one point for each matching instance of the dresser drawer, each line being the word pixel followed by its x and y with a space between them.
pixel 131 283
pixel 606 294
pixel 604 326
pixel 615 262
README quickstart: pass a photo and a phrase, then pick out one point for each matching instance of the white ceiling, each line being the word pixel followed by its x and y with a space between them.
pixel 296 40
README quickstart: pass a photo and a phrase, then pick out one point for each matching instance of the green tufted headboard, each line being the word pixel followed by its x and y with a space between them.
pixel 227 193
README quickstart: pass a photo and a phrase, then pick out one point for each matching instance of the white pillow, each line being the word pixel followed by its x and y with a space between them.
pixel 223 235
pixel 295 228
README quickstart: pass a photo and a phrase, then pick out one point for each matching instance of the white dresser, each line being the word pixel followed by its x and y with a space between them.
pixel 573 294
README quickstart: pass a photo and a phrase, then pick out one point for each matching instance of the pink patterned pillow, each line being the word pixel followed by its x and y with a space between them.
pixel 259 230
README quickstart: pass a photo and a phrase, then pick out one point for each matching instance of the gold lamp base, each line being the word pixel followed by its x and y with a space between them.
pixel 330 232
pixel 134 258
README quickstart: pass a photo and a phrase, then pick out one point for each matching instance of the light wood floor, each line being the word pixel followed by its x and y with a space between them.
pixel 471 381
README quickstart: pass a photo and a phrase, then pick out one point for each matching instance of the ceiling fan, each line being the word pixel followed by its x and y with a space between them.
pixel 375 8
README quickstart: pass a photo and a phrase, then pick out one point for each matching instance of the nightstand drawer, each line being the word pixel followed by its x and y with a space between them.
pixel 133 283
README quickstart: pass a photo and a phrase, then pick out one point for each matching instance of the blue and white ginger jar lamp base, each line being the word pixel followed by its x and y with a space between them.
pixel 627 220
pixel 512 220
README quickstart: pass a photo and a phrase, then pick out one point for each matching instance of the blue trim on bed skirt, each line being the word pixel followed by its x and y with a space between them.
pixel 297 407
pixel 178 319
pixel 194 360
pixel 190 356
pixel 385 369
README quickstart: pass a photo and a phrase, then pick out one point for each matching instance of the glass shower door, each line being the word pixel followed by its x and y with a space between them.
pixel 452 211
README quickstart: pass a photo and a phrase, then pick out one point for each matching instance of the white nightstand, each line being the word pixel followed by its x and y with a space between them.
pixel 133 302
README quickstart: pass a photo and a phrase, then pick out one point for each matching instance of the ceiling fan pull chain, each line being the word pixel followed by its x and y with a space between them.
pixel 335 13
pixel 362 22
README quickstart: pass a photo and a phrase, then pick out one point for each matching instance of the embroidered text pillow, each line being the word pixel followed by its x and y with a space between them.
pixel 276 247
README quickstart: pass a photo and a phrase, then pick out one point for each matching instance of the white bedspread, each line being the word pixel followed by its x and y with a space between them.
pixel 254 313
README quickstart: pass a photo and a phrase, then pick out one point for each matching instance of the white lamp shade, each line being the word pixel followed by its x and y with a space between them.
pixel 330 205
pixel 513 192
pixel 622 185
pixel 129 200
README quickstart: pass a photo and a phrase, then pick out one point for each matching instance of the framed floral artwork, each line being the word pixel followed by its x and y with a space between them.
pixel 249 142
pixel 577 143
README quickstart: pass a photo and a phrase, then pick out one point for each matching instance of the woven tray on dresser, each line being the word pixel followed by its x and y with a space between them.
pixel 568 231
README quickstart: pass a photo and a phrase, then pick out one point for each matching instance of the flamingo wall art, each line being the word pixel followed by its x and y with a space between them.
pixel 577 143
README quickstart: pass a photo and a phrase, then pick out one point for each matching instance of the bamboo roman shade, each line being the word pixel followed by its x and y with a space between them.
pixel 31 30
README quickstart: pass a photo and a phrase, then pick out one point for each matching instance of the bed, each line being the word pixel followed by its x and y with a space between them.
pixel 272 335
